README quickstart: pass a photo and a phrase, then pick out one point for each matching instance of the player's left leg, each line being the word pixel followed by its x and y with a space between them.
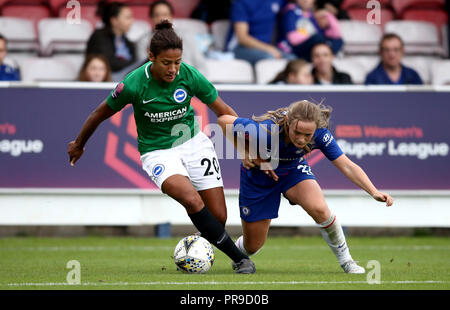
pixel 214 199
pixel 309 196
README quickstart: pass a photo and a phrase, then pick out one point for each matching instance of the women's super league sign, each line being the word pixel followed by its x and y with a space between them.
pixel 398 138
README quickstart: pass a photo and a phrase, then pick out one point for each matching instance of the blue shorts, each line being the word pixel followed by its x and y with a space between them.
pixel 260 195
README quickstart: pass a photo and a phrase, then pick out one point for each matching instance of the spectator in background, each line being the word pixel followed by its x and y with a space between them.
pixel 323 70
pixel 212 10
pixel 301 28
pixel 390 69
pixel 447 9
pixel 7 72
pixel 334 7
pixel 192 53
pixel 253 29
pixel 297 71
pixel 95 69
pixel 159 10
pixel 111 40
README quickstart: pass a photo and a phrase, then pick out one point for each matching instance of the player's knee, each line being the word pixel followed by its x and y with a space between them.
pixel 192 203
pixel 320 213
pixel 221 216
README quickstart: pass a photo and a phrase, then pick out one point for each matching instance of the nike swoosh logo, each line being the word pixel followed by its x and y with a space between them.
pixel 224 236
pixel 147 101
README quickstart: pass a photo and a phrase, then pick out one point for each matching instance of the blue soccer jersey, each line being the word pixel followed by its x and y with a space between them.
pixel 259 195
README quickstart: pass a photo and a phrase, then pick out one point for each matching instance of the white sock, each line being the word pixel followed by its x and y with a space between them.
pixel 334 235
pixel 240 245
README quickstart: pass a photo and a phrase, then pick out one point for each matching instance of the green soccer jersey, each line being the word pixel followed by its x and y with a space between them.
pixel 163 114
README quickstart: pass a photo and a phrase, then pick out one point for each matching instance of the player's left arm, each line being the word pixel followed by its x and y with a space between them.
pixel 357 175
pixel 219 107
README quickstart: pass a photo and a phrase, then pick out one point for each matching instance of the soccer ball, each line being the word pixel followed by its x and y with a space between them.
pixel 194 254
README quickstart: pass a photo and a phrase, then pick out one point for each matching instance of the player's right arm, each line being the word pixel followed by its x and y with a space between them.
pixel 122 94
pixel 226 122
pixel 76 147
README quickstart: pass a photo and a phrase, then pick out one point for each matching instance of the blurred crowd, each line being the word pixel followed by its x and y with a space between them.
pixel 306 33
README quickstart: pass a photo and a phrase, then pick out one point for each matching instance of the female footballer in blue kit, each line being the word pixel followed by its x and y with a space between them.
pixel 303 127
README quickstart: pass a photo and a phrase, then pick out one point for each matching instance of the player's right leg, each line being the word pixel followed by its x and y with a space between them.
pixel 254 236
pixel 309 196
pixel 181 189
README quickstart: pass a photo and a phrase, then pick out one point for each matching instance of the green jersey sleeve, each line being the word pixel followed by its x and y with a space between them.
pixel 204 89
pixel 120 96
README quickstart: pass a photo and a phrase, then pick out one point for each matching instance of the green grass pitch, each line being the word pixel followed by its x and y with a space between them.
pixel 294 263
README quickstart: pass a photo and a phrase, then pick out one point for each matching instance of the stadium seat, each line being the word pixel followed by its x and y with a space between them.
pixel 351 4
pixel 87 11
pixel 267 69
pixel 420 38
pixel 356 70
pixel 47 69
pixel 75 60
pixel 194 33
pixel 140 11
pixel 20 33
pixel 139 34
pixel 422 65
pixel 56 35
pixel 219 30
pixel 31 10
pixel 57 5
pixel 401 6
pixel 360 37
pixel 445 43
pixel 366 61
pixel 234 71
pixel 11 61
pixel 386 15
pixel 19 57
pixel 183 8
pixel 437 17
pixel 189 25
pixel 440 72
pixel 138 29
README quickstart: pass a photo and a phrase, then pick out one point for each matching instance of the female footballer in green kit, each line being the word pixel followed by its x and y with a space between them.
pixel 160 92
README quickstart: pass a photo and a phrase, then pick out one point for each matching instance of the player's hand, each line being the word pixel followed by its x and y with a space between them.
pixel 262 164
pixel 383 197
pixel 75 152
pixel 248 163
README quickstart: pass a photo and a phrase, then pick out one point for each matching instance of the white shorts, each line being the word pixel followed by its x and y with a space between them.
pixel 195 159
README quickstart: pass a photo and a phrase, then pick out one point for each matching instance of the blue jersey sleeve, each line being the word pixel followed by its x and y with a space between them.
pixel 260 132
pixel 325 142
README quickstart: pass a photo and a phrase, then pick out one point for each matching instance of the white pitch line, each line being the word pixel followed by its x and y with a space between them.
pixel 165 247
pixel 221 283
